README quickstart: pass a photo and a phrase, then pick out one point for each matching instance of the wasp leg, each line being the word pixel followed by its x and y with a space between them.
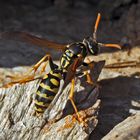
pixel 88 77
pixel 85 70
pixel 90 64
pixel 19 81
pixel 49 60
pixel 71 95
pixel 70 78
pixel 27 76
pixel 47 57
pixel 33 69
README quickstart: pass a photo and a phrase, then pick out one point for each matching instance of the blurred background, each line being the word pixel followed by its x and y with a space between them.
pixel 65 21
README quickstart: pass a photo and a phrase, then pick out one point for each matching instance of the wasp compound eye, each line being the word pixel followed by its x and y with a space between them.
pixel 92 46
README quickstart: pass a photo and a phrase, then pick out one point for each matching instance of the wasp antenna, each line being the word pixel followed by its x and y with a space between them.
pixel 109 45
pixel 113 46
pixel 96 25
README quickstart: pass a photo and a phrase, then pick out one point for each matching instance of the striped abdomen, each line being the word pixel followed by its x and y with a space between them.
pixel 48 88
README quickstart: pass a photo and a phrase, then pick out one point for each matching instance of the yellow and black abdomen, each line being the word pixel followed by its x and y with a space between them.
pixel 47 90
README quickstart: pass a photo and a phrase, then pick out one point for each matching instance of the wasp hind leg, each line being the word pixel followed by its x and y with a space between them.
pixel 28 76
pixel 45 59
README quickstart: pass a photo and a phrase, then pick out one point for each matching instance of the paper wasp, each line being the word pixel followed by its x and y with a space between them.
pixel 73 56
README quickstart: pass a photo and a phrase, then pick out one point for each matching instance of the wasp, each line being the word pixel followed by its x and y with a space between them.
pixel 50 84
pixel 73 56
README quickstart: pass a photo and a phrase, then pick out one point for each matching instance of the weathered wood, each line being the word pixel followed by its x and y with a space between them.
pixel 129 129
pixel 17 120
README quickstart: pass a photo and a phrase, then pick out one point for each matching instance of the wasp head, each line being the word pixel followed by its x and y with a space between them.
pixel 91 42
pixel 91 45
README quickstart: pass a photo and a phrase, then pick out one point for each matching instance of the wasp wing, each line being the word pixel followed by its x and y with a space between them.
pixel 26 37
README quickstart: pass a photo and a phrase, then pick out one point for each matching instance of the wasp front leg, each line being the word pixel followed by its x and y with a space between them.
pixel 85 70
pixel 88 77
pixel 71 75
pixel 71 97
pixel 45 59
pixel 88 66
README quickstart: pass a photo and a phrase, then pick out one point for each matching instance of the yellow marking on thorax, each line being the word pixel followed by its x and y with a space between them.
pixel 66 57
pixel 44 95
pixel 66 63
pixel 54 90
pixel 62 59
pixel 54 82
pixel 70 53
pixel 46 76
pixel 41 103
pixel 67 50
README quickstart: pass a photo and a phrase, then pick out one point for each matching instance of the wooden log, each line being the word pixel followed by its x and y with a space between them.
pixel 17 119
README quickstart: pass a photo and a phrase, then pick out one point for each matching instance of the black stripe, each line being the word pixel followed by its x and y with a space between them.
pixel 51 76
pixel 41 99
pixel 49 83
pixel 54 77
pixel 69 52
pixel 40 107
pixel 63 63
pixel 49 93
pixel 39 112
pixel 65 56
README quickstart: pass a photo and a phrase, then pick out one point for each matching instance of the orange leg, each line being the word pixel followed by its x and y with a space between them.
pixel 44 67
pixel 28 76
pixel 90 63
pixel 88 77
pixel 71 95
pixel 34 68
pixel 37 65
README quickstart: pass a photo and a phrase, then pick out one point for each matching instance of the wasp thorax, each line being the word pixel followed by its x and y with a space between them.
pixel 92 45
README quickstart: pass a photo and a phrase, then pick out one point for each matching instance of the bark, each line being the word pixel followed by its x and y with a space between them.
pixel 17 119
